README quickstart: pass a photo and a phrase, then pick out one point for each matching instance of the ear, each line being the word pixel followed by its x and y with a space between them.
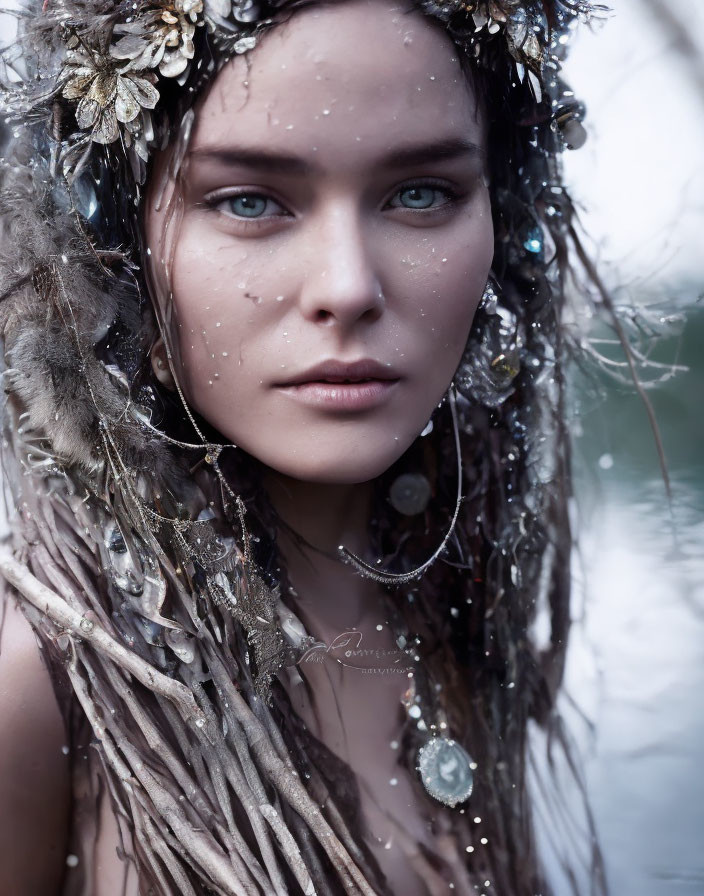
pixel 160 365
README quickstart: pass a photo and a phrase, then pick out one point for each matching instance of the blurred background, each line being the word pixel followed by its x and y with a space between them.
pixel 635 673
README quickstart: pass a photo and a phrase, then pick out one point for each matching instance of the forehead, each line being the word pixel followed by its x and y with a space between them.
pixel 367 73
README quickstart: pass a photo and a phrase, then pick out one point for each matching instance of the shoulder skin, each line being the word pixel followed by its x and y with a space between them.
pixel 34 770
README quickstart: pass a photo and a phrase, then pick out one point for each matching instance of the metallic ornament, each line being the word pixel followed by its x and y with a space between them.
pixel 492 357
pixel 488 300
pixel 446 771
pixel 573 133
pixel 568 115
pixel 410 494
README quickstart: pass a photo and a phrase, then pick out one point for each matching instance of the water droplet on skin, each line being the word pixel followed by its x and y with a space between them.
pixel 224 354
pixel 469 848
pixel 477 820
pixel 218 324
pixel 71 860
pixel 606 461
pixel 326 111
pixel 393 781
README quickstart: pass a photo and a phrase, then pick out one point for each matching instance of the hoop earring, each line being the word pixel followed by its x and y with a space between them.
pixel 491 360
pixel 392 578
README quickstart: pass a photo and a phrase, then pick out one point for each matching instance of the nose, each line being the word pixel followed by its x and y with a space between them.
pixel 341 284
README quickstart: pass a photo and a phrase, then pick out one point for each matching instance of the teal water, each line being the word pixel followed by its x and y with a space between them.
pixel 638 658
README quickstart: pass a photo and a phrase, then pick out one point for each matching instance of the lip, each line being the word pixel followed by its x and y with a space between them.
pixel 343 385
pixel 336 372
pixel 342 396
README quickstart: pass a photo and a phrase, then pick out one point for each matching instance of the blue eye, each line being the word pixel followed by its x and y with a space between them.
pixel 417 197
pixel 421 197
pixel 247 205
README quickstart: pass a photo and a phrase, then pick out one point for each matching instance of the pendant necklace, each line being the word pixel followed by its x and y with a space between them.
pixel 445 768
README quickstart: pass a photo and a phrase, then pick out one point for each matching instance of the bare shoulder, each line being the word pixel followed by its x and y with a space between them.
pixel 34 772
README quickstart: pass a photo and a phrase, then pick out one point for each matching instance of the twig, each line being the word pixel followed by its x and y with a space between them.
pixel 47 601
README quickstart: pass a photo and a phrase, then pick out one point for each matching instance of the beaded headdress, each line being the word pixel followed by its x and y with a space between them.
pixel 108 63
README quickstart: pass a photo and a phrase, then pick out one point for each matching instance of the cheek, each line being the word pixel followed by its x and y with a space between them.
pixel 225 319
pixel 444 284
pixel 204 317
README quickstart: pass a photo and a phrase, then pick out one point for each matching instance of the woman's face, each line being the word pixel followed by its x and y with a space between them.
pixel 335 212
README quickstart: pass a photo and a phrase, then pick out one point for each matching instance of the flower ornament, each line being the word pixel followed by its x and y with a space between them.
pixel 107 94
pixel 113 79
pixel 161 37
pixel 220 11
pixel 522 25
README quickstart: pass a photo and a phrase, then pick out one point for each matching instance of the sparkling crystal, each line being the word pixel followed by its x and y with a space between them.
pixel 445 770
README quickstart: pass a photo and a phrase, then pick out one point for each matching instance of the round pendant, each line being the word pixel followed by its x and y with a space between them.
pixel 446 770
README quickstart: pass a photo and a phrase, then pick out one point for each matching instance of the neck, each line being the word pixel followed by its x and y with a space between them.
pixel 328 592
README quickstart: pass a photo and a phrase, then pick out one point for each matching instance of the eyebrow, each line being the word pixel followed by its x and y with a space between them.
pixel 280 163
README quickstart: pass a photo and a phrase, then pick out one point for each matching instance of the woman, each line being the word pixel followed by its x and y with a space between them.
pixel 282 310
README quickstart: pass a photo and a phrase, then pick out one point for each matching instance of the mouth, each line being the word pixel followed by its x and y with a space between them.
pixel 345 373
pixel 343 386
pixel 340 381
pixel 341 393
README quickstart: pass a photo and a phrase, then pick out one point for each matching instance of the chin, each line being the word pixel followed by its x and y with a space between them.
pixel 338 467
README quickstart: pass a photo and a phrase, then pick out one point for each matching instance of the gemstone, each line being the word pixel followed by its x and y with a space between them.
pixel 534 241
pixel 446 770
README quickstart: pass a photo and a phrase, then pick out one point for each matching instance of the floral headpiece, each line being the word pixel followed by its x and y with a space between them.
pixel 115 57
